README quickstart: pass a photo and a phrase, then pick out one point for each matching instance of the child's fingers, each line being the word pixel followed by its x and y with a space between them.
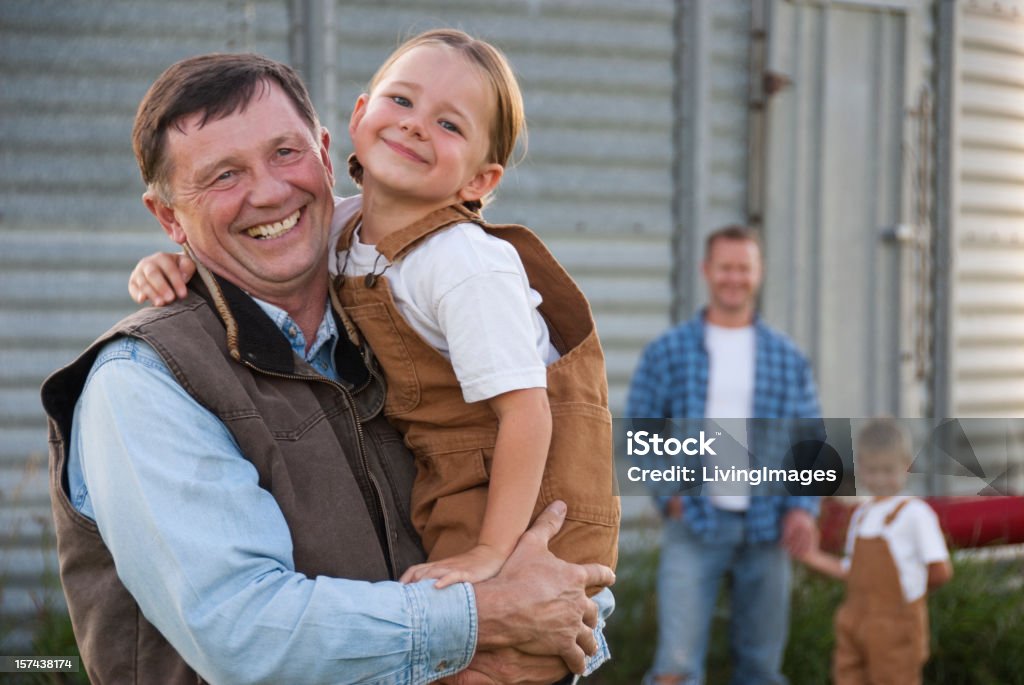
pixel 186 269
pixel 156 286
pixel 409 575
pixel 149 279
pixel 140 290
pixel 418 572
pixel 451 578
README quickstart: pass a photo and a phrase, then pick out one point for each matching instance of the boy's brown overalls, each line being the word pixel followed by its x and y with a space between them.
pixel 880 638
pixel 453 441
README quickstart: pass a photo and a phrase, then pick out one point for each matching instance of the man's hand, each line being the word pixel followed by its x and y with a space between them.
pixel 538 603
pixel 798 532
pixel 510 666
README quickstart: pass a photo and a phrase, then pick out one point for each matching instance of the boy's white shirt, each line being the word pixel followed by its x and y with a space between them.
pixel 914 539
pixel 466 294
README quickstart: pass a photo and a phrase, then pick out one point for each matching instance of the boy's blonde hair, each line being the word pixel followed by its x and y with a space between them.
pixel 509 122
pixel 885 436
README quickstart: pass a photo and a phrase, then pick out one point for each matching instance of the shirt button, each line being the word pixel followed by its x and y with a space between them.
pixel 292 331
pixel 443 665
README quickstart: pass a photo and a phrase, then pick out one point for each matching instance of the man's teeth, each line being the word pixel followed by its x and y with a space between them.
pixel 273 230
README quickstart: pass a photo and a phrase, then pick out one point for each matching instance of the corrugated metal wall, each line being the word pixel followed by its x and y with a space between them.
pixel 596 185
pixel 713 105
pixel 988 237
pixel 71 222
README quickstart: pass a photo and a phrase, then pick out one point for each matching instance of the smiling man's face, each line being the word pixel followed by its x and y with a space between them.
pixel 733 274
pixel 252 195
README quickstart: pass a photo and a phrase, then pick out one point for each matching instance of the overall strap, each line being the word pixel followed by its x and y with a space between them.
pixel 896 512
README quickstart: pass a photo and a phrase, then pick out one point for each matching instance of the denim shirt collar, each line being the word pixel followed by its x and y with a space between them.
pixel 326 334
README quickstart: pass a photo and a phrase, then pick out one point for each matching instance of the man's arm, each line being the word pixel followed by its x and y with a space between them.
pixel 208 556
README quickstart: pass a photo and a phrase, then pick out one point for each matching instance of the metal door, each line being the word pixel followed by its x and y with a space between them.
pixel 843 188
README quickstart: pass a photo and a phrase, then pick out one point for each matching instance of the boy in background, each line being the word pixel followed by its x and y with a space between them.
pixel 895 554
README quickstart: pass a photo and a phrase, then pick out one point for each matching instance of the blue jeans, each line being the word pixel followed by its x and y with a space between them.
pixel 689 576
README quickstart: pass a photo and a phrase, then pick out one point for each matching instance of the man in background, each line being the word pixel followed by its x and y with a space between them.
pixel 726 363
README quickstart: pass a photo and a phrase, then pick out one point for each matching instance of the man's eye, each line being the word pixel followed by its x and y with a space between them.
pixel 285 152
pixel 225 176
pixel 401 101
pixel 449 126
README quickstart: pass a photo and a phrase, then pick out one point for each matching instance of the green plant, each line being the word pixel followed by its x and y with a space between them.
pixel 54 637
pixel 814 600
pixel 977 624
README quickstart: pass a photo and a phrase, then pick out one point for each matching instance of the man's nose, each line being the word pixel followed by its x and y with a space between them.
pixel 269 187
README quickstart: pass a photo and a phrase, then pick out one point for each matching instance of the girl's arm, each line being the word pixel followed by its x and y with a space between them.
pixel 161 278
pixel 524 435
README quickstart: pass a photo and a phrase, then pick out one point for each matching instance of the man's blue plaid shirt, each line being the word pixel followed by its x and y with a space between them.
pixel 671 381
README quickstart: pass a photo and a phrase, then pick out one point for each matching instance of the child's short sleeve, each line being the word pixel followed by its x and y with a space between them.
pixel 930 542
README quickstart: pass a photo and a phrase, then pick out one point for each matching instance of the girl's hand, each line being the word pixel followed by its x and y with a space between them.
pixel 478 564
pixel 161 278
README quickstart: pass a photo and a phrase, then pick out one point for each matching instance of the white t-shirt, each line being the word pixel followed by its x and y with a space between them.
pixel 730 396
pixel 466 293
pixel 914 539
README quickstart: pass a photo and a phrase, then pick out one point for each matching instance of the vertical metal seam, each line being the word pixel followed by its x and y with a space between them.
pixel 687 154
pixel 814 239
pixel 946 187
pixel 677 300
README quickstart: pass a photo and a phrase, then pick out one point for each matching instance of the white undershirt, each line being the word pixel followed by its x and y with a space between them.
pixel 730 396
pixel 914 539
pixel 465 292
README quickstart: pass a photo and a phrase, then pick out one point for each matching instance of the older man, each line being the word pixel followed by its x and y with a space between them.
pixel 229 499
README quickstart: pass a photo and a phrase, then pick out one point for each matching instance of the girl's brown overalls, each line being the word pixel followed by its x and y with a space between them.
pixel 880 638
pixel 453 442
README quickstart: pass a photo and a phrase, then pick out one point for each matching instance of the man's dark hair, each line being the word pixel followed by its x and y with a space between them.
pixel 214 86
pixel 732 232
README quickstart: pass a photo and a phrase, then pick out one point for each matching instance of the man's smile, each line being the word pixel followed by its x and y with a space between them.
pixel 276 229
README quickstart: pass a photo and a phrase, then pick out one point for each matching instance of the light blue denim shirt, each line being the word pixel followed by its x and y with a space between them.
pixel 155 471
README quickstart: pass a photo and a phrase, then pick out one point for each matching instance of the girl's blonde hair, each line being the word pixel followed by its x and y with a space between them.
pixel 509 123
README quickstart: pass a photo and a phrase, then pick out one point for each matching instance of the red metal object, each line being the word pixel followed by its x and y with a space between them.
pixel 966 521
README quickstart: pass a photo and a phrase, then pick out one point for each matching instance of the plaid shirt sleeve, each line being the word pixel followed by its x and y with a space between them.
pixel 648 393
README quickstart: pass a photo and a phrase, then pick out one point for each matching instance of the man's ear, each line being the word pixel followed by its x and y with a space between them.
pixel 165 214
pixel 358 112
pixel 486 180
pixel 325 152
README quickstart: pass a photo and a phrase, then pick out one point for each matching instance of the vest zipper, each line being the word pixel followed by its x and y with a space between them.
pixel 360 440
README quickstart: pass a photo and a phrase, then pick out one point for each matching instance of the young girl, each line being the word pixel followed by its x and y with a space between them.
pixel 495 373
pixel 895 553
